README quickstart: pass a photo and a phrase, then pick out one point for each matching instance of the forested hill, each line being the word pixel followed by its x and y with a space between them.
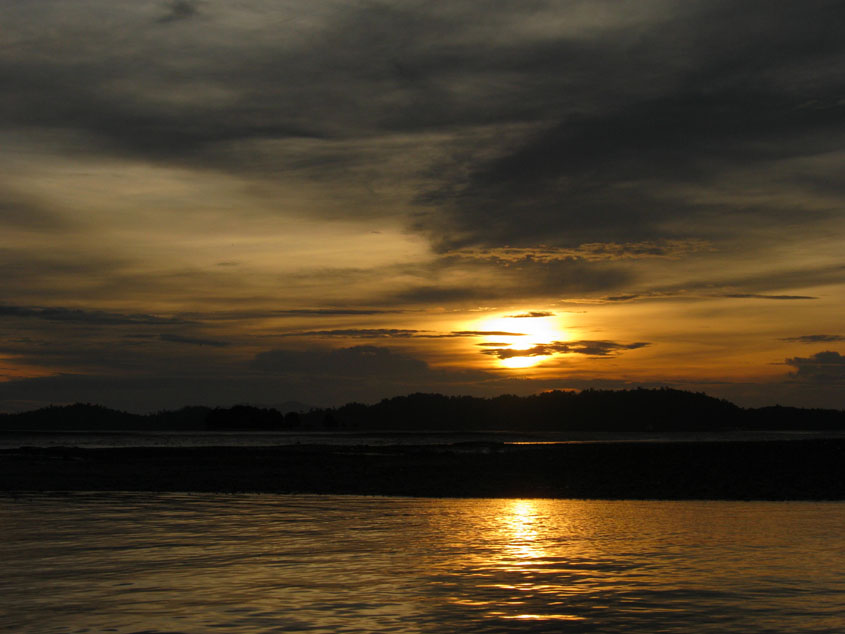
pixel 590 410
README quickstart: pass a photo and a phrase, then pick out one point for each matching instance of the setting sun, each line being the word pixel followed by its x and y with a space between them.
pixel 522 333
pixel 516 363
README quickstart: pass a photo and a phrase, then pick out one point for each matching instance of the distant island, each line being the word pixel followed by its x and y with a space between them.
pixel 636 410
pixel 798 467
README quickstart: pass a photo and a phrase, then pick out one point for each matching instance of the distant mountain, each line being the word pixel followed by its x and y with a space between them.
pixel 663 410
pixel 79 416
pixel 589 410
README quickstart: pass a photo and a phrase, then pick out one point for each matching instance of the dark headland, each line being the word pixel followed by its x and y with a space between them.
pixel 811 468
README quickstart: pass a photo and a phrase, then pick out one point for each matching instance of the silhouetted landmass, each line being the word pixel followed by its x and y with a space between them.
pixel 734 469
pixel 79 416
pixel 590 410
pixel 246 417
pixel 662 410
pixel 769 470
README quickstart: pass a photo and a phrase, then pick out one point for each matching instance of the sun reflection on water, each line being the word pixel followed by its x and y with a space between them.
pixel 519 523
pixel 346 563
pixel 518 572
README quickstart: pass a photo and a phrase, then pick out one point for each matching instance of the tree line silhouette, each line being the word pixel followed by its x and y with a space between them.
pixel 634 410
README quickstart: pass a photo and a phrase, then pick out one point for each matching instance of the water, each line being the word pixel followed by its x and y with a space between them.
pixel 278 563
pixel 10 439
pixel 13 439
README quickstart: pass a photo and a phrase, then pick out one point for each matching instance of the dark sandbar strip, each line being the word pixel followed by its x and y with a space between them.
pixel 770 470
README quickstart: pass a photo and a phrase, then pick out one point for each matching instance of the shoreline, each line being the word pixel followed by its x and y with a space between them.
pixel 811 469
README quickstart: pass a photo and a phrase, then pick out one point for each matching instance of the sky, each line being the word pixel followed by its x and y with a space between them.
pixel 209 202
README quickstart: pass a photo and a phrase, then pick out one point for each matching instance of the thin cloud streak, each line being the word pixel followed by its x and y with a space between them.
pixel 814 339
pixel 194 341
pixel 376 333
pixel 761 296
pixel 587 348
pixel 179 10
pixel 77 315
pixel 532 314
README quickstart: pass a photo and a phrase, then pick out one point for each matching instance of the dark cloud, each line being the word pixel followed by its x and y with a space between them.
pixel 179 10
pixel 69 349
pixel 814 339
pixel 782 277
pixel 195 341
pixel 527 279
pixel 364 333
pixel 483 333
pixel 354 361
pixel 755 285
pixel 588 348
pixel 57 269
pixel 600 348
pixel 590 252
pixel 398 333
pixel 587 136
pixel 260 313
pixel 81 316
pixel 703 92
pixel 533 313
pixel 296 312
pixel 822 367
pixel 23 212
pixel 435 294
pixel 761 296
pixel 508 353
pixel 115 120
pixel 373 333
pixel 621 298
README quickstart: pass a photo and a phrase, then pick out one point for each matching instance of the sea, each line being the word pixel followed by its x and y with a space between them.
pixel 245 563
pixel 157 563
pixel 13 439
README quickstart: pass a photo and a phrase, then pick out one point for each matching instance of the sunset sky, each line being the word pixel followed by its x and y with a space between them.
pixel 260 201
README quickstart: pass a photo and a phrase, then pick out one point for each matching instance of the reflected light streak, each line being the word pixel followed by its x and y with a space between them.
pixel 542 617
pixel 521 527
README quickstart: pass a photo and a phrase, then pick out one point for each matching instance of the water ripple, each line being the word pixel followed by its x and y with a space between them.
pixel 245 563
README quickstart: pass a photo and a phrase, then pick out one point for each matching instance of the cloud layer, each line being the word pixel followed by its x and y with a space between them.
pixel 357 188
pixel 588 348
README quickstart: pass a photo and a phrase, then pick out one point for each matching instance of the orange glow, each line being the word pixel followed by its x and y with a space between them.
pixel 528 332
pixel 519 525
pixel 515 363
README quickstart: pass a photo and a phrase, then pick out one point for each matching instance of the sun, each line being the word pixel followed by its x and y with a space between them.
pixel 516 363
pixel 512 334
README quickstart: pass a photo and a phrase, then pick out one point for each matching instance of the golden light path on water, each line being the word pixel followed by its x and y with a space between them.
pixel 528 334
pixel 520 531
pixel 245 563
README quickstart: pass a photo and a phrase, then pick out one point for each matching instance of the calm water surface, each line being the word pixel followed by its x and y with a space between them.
pixel 11 439
pixel 287 563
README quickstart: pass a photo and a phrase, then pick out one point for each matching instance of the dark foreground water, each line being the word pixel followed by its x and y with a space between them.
pixel 12 439
pixel 288 563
